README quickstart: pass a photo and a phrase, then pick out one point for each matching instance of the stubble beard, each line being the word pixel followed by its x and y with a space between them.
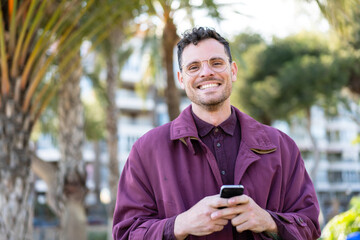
pixel 210 105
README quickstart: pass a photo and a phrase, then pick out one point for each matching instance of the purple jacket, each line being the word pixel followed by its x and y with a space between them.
pixel 169 170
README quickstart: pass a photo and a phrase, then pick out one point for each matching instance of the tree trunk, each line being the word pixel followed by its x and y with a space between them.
pixel 172 94
pixel 71 189
pixel 16 180
pixel 47 172
pixel 265 119
pixel 97 168
pixel 111 127
pixel 315 146
pixel 354 83
pixel 112 68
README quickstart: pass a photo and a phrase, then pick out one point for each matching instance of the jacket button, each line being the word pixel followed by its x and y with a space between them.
pixel 218 144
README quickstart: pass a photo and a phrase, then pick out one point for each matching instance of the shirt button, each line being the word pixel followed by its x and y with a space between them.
pixel 218 144
pixel 216 129
pixel 223 172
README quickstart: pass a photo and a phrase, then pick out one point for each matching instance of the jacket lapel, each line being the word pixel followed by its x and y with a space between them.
pixel 184 129
pixel 254 142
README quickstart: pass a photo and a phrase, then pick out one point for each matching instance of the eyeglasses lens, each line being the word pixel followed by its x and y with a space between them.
pixel 216 64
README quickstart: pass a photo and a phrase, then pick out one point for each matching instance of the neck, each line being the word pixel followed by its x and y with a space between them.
pixel 214 116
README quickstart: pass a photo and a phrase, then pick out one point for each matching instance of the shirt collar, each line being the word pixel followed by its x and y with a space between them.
pixel 254 135
pixel 228 126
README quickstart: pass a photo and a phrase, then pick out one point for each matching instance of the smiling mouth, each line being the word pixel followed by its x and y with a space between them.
pixel 210 85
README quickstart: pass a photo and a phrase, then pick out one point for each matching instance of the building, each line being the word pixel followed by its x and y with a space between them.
pixel 337 179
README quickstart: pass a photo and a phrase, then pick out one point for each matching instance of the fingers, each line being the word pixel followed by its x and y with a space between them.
pixel 243 199
pixel 222 222
pixel 247 221
pixel 197 220
pixel 205 217
pixel 217 228
pixel 217 202
pixel 243 227
pixel 227 213
pixel 239 220
pixel 242 211
pixel 253 218
pixel 235 206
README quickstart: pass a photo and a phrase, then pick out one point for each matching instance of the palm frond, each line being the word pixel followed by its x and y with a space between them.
pixel 5 81
pixel 24 26
pixel 12 13
pixel 68 45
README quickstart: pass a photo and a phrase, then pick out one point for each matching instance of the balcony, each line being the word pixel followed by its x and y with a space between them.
pixel 128 100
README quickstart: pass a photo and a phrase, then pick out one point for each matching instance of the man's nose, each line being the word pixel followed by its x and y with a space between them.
pixel 206 69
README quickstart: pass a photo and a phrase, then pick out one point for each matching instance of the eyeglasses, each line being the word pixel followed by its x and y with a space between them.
pixel 217 64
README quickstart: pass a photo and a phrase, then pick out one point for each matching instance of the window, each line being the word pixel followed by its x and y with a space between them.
pixel 307 155
pixel 351 176
pixel 334 157
pixel 333 136
pixel 335 177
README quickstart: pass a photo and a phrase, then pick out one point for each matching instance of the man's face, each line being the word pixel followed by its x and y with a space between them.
pixel 208 88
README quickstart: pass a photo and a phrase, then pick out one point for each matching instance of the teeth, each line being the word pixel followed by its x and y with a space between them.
pixel 208 86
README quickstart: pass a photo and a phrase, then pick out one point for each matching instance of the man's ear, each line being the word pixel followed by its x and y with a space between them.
pixel 234 70
pixel 180 79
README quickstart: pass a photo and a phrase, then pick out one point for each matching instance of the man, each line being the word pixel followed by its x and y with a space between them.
pixel 169 186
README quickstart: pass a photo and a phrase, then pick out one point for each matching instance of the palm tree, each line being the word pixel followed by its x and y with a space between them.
pixel 71 183
pixel 34 35
pixel 165 11
pixel 344 17
pixel 66 181
pixel 111 57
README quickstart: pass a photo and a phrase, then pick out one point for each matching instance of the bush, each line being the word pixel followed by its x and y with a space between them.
pixel 345 223
pixel 97 236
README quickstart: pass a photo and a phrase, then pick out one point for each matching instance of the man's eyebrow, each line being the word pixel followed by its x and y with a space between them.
pixel 216 57
pixel 191 62
pixel 198 60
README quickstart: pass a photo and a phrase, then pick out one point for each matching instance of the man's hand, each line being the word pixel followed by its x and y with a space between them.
pixel 197 220
pixel 249 216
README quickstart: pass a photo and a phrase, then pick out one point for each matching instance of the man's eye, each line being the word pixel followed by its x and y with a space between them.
pixel 217 63
pixel 193 67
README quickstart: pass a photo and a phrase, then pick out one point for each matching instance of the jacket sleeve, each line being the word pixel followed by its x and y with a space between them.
pixel 299 217
pixel 136 215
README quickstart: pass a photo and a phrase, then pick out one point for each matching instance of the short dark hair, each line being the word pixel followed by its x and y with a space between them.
pixel 196 35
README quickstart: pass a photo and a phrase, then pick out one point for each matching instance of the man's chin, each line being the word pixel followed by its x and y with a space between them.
pixel 212 105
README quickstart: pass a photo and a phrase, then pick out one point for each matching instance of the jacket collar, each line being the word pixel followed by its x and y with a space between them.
pixel 183 126
pixel 252 132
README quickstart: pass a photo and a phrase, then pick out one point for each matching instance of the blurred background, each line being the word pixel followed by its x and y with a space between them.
pixel 82 80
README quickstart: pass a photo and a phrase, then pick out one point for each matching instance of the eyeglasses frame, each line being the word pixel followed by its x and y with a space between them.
pixel 201 61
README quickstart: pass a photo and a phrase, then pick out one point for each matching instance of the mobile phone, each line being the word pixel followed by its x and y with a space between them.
pixel 228 191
